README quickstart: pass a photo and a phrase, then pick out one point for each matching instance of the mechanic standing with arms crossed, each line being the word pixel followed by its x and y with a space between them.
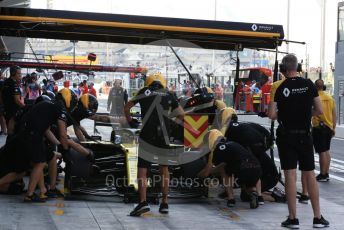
pixel 157 106
pixel 296 100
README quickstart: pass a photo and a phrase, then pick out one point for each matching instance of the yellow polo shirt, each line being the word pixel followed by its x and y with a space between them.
pixel 328 105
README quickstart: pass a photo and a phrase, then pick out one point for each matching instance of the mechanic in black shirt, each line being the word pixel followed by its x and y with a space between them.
pixel 118 97
pixel 256 139
pixel 11 96
pixel 296 100
pixel 248 135
pixel 27 144
pixel 235 160
pixel 211 105
pixel 158 106
pixel 86 108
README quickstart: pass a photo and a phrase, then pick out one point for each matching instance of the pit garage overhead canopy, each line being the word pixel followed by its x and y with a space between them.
pixel 116 28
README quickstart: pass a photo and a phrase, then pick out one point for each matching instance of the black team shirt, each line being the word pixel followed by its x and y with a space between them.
pixel 43 115
pixel 10 89
pixel 156 106
pixel 294 99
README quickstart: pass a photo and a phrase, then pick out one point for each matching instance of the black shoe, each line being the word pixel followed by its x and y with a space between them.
pixel 254 200
pixel 54 193
pixel 260 200
pixel 303 199
pixel 230 203
pixel 163 209
pixel 323 178
pixel 141 208
pixel 320 222
pixel 291 223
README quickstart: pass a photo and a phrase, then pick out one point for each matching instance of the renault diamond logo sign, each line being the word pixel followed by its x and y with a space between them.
pixel 286 92
pixel 254 27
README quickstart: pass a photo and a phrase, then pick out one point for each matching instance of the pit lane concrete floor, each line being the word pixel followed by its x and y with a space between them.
pixel 90 212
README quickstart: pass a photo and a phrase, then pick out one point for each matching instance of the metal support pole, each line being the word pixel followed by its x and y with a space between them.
pixel 272 128
pixel 74 52
pixel 288 23
pixel 236 79
pixel 322 34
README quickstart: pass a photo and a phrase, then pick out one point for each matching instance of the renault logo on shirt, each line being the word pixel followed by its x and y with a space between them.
pixel 286 92
pixel 147 92
pixel 222 147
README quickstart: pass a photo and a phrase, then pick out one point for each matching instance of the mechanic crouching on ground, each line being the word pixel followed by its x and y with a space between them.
pixel 27 146
pixel 295 101
pixel 158 105
pixel 232 160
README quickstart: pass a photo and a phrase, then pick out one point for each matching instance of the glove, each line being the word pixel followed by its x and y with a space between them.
pixel 134 123
pixel 262 114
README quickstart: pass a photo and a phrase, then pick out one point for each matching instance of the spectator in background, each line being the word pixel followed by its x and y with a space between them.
pixel 23 86
pixel 33 90
pixel 92 90
pixel 66 84
pixel 118 97
pixel 218 92
pixel 76 90
pixel 266 88
pixel 47 86
pixel 55 87
pixel 84 88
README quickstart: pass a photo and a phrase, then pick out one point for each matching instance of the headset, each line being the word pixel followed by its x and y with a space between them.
pixel 282 68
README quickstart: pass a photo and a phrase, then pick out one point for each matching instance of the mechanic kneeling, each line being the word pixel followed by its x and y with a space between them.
pixel 27 146
pixel 231 159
